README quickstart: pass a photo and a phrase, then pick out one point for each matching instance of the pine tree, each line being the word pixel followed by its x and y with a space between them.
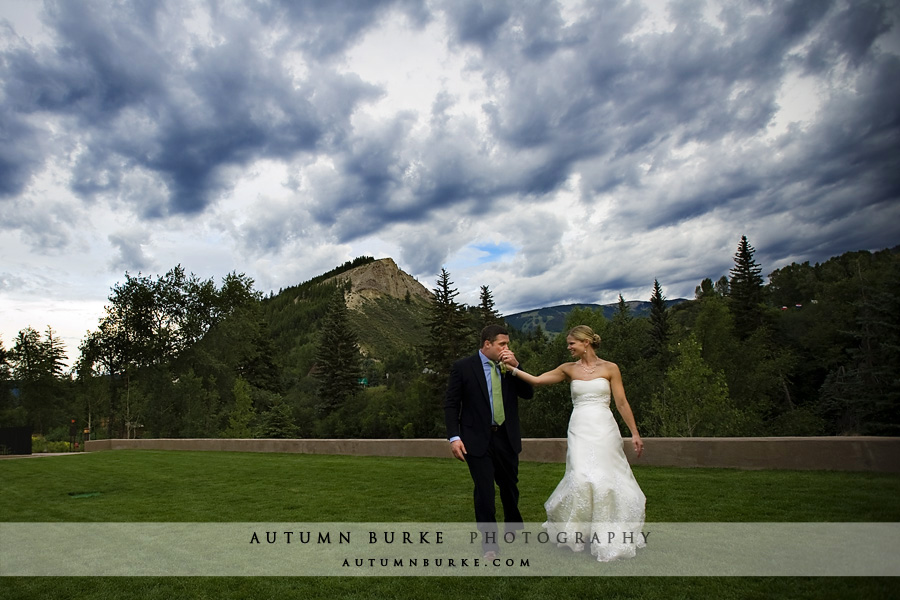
pixel 4 369
pixel 243 413
pixel 623 312
pixel 746 290
pixel 488 315
pixel 37 366
pixel 55 354
pixel 659 319
pixel 451 335
pixel 863 396
pixel 338 360
pixel 278 423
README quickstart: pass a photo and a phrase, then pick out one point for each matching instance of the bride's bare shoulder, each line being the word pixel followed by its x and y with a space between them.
pixel 610 367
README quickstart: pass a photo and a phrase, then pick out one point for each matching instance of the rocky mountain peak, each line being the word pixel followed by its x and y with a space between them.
pixel 381 278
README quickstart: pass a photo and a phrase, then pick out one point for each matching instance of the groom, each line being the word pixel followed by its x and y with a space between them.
pixel 481 409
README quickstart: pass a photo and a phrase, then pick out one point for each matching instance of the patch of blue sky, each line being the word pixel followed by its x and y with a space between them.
pixel 476 255
pixel 494 252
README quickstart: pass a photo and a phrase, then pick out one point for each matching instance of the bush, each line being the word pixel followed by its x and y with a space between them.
pixel 40 445
pixel 58 434
pixel 800 421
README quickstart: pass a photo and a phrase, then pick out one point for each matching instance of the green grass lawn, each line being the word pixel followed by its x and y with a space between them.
pixel 149 486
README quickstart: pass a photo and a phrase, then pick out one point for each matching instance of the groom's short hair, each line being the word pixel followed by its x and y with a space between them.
pixel 490 333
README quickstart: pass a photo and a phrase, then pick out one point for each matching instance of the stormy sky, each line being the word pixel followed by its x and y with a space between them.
pixel 555 151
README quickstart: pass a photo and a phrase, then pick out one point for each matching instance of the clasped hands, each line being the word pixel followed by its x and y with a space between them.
pixel 508 358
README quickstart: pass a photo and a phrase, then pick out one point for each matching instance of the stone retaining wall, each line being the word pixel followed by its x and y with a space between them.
pixel 818 453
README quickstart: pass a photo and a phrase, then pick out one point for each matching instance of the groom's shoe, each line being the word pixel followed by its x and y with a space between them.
pixel 491 555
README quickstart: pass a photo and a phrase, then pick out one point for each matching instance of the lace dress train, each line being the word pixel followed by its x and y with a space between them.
pixel 598 503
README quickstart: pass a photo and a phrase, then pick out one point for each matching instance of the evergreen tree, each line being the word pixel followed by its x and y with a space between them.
pixel 243 414
pixel 451 335
pixel 11 412
pixel 37 367
pixel 488 315
pixel 746 287
pixel 4 363
pixel 722 286
pixel 199 408
pixel 622 310
pixel 54 353
pixel 704 289
pixel 278 423
pixel 659 319
pixel 694 400
pixel 862 396
pixel 338 360
pixel 624 342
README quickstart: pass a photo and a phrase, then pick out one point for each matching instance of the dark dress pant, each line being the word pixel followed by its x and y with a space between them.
pixel 499 464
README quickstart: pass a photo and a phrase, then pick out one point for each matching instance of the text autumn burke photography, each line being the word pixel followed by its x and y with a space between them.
pixel 438 538
pixel 434 549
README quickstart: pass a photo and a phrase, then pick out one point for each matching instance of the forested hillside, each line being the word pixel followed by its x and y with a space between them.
pixel 552 319
pixel 814 351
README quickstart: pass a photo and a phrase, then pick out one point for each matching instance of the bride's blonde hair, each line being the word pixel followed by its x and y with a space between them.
pixel 583 333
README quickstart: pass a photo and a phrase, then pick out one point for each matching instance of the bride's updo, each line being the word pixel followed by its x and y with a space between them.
pixel 583 333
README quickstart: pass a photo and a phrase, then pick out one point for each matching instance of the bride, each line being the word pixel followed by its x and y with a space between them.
pixel 598 502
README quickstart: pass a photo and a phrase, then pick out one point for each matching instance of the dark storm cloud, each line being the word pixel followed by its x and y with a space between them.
pixel 598 97
pixel 699 84
pixel 326 29
pixel 369 172
pixel 851 34
pixel 142 98
pixel 20 152
pixel 161 114
pixel 477 22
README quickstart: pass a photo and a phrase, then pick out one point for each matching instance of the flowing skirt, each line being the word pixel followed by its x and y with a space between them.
pixel 598 502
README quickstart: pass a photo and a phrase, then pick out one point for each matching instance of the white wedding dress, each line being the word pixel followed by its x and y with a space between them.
pixel 598 502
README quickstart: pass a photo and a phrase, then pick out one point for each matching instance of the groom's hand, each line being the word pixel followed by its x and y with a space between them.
pixel 508 357
pixel 458 449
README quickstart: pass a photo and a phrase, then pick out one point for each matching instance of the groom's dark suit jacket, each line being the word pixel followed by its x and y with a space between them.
pixel 467 408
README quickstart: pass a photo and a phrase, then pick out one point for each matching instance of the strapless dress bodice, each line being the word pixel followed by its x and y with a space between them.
pixel 591 391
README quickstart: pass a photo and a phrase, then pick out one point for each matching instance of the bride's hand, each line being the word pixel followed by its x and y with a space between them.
pixel 508 357
pixel 638 445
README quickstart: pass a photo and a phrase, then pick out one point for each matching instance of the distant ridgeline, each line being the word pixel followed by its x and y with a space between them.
pixel 347 266
pixel 552 319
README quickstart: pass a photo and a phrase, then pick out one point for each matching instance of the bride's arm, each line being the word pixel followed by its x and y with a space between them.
pixel 557 375
pixel 618 392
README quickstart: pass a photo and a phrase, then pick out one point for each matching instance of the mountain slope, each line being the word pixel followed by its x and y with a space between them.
pixel 552 319
pixel 380 279
pixel 388 309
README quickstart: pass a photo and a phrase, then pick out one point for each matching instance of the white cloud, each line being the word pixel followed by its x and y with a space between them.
pixel 555 152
